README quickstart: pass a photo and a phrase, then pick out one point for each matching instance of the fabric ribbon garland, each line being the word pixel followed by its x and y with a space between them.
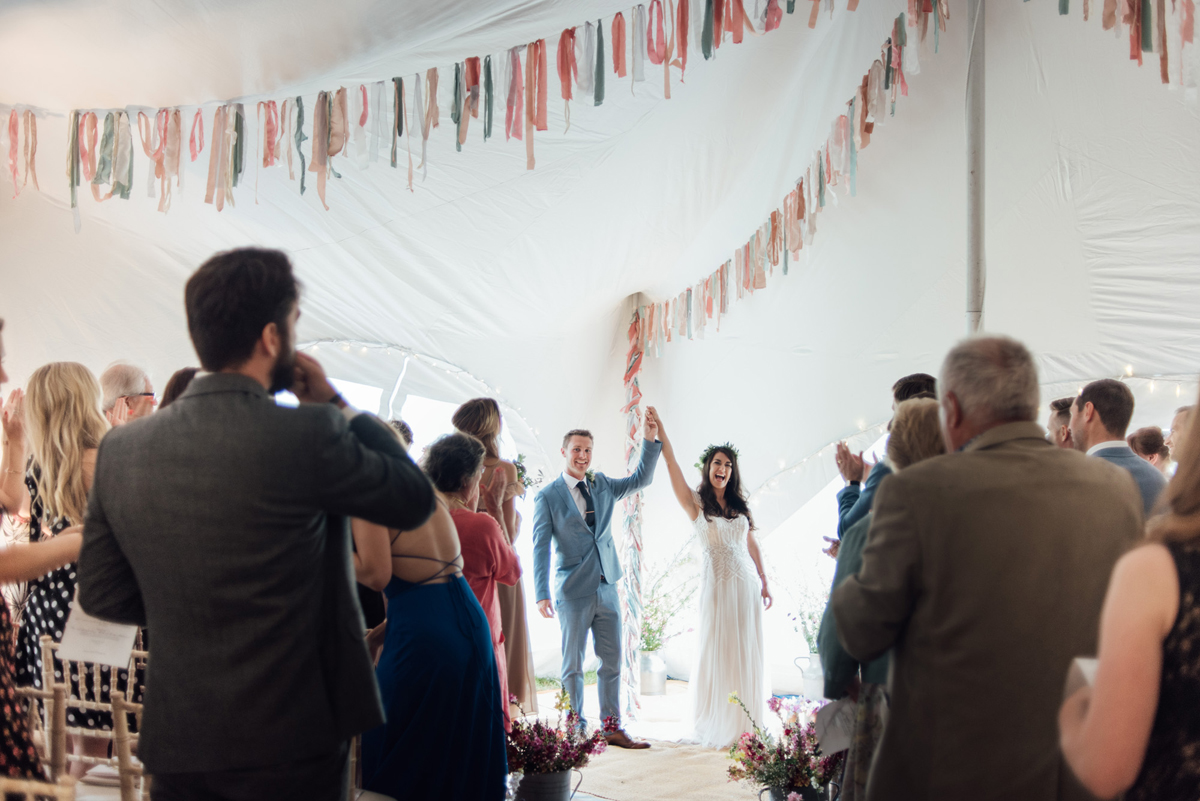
pixel 598 83
pixel 681 25
pixel 215 157
pixel 30 120
pixel 397 114
pixel 514 114
pixel 618 44
pixel 14 131
pixel 639 44
pixel 488 98
pixel 196 145
pixel 586 57
pixel 568 70
pixel 535 100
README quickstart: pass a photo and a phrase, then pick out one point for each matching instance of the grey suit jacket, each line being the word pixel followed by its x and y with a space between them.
pixel 220 524
pixel 1150 482
pixel 986 571
pixel 583 556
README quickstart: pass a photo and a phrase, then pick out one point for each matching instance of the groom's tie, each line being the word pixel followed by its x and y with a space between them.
pixel 590 516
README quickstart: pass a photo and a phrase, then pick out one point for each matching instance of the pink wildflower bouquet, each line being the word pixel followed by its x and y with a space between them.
pixel 793 761
pixel 537 747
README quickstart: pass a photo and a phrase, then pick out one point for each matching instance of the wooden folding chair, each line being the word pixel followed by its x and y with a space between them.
pixel 137 659
pixel 130 770
pixel 49 730
pixel 27 790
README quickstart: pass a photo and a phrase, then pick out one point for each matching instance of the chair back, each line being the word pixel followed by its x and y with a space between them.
pixel 27 790
pixel 49 733
pixel 75 698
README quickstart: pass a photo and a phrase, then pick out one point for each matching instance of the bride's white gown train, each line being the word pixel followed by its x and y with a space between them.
pixel 731 635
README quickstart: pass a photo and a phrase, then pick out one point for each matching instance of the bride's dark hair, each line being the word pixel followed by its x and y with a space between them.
pixel 735 499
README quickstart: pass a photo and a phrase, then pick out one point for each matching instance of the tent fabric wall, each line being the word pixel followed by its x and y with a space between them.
pixel 524 281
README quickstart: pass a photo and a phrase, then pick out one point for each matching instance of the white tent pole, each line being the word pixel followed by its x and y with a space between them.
pixel 976 262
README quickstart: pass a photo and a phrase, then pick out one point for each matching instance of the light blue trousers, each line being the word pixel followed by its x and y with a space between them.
pixel 600 614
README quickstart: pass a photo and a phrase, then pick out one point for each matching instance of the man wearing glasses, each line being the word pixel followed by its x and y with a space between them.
pixel 128 393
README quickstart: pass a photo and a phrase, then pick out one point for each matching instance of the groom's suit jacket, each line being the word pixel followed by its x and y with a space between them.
pixel 582 556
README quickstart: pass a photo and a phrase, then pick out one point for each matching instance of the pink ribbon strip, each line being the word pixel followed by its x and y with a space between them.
pixel 197 145
pixel 13 132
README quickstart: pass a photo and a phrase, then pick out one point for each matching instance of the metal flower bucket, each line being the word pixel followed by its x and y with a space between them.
pixel 547 786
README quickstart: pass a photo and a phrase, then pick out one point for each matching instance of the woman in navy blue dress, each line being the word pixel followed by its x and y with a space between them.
pixel 444 737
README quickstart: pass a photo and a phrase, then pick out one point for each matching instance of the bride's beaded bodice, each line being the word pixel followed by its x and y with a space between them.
pixel 724 544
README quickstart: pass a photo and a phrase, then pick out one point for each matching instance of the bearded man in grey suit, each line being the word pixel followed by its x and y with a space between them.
pixel 220 524
pixel 984 571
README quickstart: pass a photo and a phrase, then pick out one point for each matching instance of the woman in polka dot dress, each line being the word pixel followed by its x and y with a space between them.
pixel 64 427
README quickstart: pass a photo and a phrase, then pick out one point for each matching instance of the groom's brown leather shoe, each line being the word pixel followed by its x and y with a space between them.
pixel 622 740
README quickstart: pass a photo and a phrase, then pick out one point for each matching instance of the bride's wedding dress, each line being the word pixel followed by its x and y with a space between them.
pixel 731 635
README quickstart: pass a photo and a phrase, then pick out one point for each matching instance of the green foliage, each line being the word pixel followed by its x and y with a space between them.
pixel 670 593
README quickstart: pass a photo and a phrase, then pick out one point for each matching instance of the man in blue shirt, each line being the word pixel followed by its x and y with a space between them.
pixel 1099 419
pixel 863 477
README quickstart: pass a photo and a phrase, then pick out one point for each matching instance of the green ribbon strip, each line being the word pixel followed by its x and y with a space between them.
pixel 1147 27
pixel 300 137
pixel 1064 7
pixel 398 110
pixel 706 33
pixel 239 128
pixel 791 10
pixel 487 98
pixel 73 154
pixel 122 140
pixel 104 167
pixel 599 88
pixel 821 180
pixel 456 113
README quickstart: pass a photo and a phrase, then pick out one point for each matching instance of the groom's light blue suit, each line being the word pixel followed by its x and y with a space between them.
pixel 586 573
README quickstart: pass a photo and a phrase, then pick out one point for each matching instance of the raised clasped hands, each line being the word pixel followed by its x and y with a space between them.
pixel 12 416
pixel 310 384
pixel 654 429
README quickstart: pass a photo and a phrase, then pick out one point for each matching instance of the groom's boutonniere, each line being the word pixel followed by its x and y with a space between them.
pixel 591 477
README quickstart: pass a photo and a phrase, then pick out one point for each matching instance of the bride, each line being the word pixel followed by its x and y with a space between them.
pixel 733 586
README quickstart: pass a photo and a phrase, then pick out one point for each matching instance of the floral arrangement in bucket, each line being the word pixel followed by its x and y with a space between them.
pixel 791 767
pixel 538 749
pixel 663 603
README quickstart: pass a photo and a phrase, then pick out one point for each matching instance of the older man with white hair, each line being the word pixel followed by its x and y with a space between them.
pixel 984 572
pixel 128 393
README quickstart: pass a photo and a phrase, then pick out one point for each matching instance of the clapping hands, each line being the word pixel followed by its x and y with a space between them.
pixel 493 494
pixel 12 416
pixel 852 467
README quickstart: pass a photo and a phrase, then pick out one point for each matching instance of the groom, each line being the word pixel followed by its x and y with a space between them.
pixel 575 510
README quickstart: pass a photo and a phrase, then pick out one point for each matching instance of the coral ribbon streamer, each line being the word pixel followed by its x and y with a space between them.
pixel 568 70
pixel 618 44
pixel 514 114
pixel 681 26
pixel 656 42
pixel 197 123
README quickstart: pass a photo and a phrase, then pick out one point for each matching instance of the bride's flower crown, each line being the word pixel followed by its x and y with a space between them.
pixel 711 449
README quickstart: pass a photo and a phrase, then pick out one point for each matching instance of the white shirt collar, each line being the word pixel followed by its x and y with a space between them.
pixel 571 481
pixel 1112 443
